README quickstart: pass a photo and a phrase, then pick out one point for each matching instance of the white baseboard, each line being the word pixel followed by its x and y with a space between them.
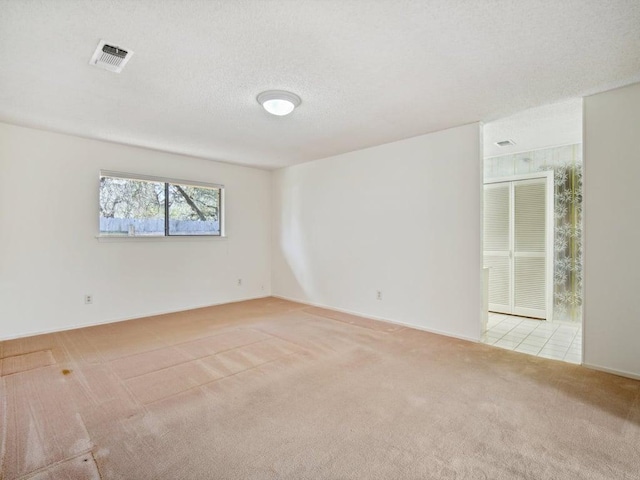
pixel 620 373
pixel 382 319
pixel 152 314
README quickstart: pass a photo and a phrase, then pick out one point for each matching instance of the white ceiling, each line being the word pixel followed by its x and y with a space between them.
pixel 535 128
pixel 368 71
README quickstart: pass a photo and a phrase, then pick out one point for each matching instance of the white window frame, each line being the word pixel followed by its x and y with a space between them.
pixel 178 181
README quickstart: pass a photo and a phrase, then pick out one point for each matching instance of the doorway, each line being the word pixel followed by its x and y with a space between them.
pixel 559 335
pixel 543 142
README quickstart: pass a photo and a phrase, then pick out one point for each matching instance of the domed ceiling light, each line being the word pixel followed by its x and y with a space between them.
pixel 278 102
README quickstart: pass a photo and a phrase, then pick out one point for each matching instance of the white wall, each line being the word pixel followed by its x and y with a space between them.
pixel 49 256
pixel 612 231
pixel 403 218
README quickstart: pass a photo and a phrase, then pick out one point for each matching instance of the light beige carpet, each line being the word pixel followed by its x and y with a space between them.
pixel 269 389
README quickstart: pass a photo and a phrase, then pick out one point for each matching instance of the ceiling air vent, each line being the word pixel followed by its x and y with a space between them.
pixel 505 143
pixel 110 57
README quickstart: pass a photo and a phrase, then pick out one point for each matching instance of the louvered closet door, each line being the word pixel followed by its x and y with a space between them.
pixel 529 235
pixel 497 245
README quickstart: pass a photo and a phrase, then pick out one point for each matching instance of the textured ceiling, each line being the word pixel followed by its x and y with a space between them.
pixel 535 128
pixel 368 71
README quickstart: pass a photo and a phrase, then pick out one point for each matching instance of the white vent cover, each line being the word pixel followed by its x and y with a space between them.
pixel 110 57
pixel 505 143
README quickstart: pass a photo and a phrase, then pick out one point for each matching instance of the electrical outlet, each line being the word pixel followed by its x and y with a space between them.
pixel 239 282
pixel 378 295
pixel 88 299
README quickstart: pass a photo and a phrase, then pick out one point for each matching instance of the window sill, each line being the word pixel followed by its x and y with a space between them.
pixel 157 238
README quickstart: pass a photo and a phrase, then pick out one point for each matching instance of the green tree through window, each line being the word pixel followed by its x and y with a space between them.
pixel 144 206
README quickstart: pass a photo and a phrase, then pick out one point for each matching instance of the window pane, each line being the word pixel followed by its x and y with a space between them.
pixel 194 210
pixel 131 207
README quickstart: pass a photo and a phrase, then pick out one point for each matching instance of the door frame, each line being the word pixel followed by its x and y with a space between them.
pixel 548 175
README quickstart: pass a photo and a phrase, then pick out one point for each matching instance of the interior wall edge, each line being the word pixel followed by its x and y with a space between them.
pixel 126 319
pixel 383 319
pixel 611 234
pixel 613 371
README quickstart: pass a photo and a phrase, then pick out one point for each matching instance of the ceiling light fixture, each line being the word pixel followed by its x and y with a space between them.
pixel 278 102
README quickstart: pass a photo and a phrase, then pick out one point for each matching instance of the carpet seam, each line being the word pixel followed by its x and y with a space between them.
pixel 95 462
pixel 27 353
pixel 193 359
pixel 163 347
pixel 221 378
pixel 30 474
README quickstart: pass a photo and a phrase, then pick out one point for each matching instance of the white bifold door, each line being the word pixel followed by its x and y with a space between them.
pixel 518 246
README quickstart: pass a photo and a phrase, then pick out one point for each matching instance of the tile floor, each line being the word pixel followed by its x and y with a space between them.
pixel 559 341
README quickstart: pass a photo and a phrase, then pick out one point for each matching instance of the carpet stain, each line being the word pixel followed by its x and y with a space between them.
pixel 66 371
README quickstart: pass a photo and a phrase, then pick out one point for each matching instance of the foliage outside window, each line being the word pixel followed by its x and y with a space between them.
pixel 134 205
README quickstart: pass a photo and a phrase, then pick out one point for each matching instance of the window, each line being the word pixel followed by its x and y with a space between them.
pixel 135 205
